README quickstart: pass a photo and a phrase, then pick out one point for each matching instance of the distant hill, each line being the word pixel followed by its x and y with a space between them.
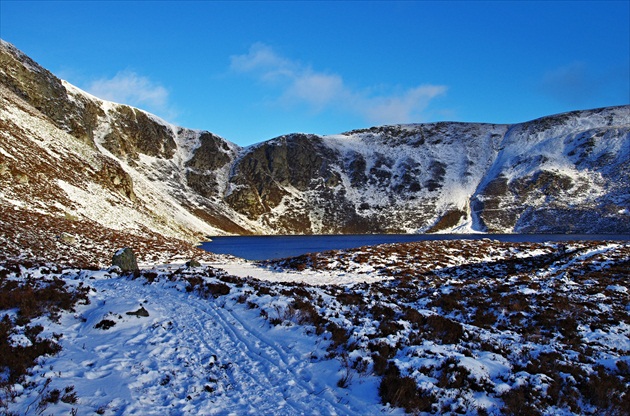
pixel 77 163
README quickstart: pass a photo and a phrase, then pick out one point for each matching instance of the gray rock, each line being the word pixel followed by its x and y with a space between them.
pixel 126 260
pixel 139 313
pixel 67 238
pixel 193 263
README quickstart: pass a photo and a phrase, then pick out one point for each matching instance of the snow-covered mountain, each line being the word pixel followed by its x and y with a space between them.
pixel 439 327
pixel 564 173
pixel 76 159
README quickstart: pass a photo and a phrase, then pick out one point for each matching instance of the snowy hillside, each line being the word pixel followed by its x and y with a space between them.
pixel 565 173
pixel 188 167
pixel 562 173
pixel 389 179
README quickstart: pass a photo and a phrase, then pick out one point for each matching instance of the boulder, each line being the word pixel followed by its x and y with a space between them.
pixel 139 313
pixel 126 260
pixel 193 263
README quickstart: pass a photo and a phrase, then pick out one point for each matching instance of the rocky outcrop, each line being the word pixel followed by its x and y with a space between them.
pixel 170 179
pixel 46 93
pixel 560 174
pixel 269 172
pixel 77 155
pixel 389 179
pixel 212 155
pixel 133 132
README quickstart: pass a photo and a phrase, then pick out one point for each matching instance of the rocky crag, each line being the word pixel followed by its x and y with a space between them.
pixel 70 157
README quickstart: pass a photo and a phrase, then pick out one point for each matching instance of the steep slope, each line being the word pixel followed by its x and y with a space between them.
pixel 71 163
pixel 566 173
pixel 410 178
pixel 58 194
pixel 66 154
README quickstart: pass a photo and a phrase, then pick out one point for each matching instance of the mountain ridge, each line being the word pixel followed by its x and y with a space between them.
pixel 565 173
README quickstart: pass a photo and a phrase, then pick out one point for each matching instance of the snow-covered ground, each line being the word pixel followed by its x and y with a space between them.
pixel 244 268
pixel 432 327
pixel 188 356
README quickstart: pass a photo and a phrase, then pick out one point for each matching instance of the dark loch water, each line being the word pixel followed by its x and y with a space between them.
pixel 274 247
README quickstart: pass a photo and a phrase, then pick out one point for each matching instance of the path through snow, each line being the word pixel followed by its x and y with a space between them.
pixel 193 356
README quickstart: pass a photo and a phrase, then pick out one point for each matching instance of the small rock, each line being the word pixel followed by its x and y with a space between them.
pixel 105 324
pixel 193 263
pixel 67 238
pixel 140 312
pixel 126 260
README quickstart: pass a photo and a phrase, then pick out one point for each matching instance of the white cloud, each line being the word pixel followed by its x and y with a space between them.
pixel 401 108
pixel 127 87
pixel 300 84
pixel 318 90
pixel 259 57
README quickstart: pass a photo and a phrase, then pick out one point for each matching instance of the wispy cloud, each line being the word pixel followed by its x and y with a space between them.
pixel 580 84
pixel 570 83
pixel 127 87
pixel 401 108
pixel 300 84
pixel 261 58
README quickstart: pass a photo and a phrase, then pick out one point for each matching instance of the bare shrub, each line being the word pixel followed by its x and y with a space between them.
pixel 445 330
pixel 36 297
pixel 453 375
pixel 381 311
pixel 519 402
pixel 307 314
pixel 387 327
pixel 217 289
pixel 32 298
pixel 194 282
pixel 484 318
pixel 381 353
pixel 403 392
pixel 414 317
pixel 339 335
pixel 607 391
pixel 350 298
pixel 449 302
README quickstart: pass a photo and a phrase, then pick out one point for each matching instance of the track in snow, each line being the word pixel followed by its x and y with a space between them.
pixel 194 356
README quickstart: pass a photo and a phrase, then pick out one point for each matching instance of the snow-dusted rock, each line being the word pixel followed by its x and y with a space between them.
pixel 125 259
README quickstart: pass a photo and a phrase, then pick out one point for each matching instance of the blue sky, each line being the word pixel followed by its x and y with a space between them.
pixel 251 71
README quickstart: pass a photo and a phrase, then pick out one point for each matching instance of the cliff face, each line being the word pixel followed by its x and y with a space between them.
pixel 387 179
pixel 568 173
pixel 558 174
pixel 73 157
pixel 66 153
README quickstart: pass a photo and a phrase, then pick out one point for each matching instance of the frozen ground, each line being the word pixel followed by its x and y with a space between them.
pixel 188 356
pixel 433 327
